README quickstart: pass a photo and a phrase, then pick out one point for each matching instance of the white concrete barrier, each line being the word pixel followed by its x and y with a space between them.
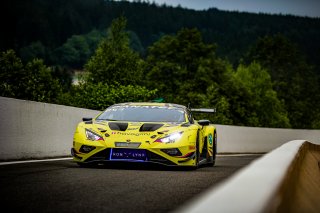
pixel 270 184
pixel 36 130
pixel 237 139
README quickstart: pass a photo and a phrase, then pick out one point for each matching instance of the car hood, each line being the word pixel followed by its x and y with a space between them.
pixel 136 130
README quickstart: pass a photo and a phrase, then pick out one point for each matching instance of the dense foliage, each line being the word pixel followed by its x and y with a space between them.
pixel 98 96
pixel 49 24
pixel 113 74
pixel 114 61
pixel 199 77
pixel 257 70
pixel 294 79
pixel 32 81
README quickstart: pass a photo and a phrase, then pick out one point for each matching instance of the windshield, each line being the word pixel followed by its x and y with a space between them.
pixel 144 114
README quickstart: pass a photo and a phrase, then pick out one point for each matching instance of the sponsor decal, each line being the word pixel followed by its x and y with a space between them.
pixel 131 133
pixel 210 139
pixel 128 154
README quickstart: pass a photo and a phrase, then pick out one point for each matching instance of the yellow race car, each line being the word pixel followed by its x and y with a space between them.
pixel 161 133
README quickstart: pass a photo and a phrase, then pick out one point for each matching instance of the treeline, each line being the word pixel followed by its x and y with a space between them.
pixel 66 33
pixel 257 69
pixel 272 86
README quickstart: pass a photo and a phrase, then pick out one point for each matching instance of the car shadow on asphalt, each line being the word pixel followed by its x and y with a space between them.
pixel 136 166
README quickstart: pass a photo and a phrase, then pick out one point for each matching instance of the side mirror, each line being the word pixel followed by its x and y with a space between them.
pixel 86 119
pixel 204 122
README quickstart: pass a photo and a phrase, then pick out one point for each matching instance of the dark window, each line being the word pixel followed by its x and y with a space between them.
pixel 144 114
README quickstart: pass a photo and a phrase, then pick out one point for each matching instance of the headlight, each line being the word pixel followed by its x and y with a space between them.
pixel 93 136
pixel 170 138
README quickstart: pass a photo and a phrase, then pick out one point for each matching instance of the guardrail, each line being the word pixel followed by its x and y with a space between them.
pixel 38 130
pixel 286 179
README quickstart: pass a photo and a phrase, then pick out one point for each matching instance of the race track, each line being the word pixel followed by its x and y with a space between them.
pixel 62 186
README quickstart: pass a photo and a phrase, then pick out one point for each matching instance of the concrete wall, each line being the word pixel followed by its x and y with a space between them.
pixel 36 130
pixel 238 139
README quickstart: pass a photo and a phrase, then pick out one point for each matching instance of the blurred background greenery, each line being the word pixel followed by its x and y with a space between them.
pixel 255 69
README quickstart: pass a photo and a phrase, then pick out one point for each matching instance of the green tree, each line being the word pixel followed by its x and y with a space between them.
pixel 173 62
pixel 41 86
pixel 99 96
pixel 34 50
pixel 269 111
pixel 113 60
pixel 294 79
pixel 74 52
pixel 186 70
pixel 33 81
pixel 112 74
pixel 11 74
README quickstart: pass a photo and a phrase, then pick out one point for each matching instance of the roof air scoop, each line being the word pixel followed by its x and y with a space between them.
pixel 150 127
pixel 118 126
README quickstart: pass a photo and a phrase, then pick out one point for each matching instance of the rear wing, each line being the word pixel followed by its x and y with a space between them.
pixel 204 110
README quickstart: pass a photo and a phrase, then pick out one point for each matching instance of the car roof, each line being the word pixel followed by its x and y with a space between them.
pixel 150 104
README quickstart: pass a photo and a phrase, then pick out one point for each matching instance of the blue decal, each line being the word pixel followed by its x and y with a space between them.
pixel 128 154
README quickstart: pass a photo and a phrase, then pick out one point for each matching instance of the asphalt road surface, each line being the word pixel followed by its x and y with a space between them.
pixel 62 186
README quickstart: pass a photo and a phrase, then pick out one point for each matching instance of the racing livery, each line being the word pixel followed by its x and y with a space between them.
pixel 161 133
